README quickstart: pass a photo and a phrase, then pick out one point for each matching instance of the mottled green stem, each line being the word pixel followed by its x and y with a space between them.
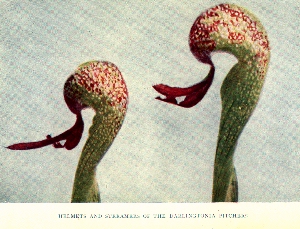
pixel 239 94
pixel 233 29
pixel 98 85
pixel 232 191
pixel 85 188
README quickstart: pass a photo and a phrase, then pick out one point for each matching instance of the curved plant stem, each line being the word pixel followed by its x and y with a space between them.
pixel 233 29
pixel 98 85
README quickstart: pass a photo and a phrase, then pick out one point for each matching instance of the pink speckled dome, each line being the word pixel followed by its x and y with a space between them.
pixel 101 79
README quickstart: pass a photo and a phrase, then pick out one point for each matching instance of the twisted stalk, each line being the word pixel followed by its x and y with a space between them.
pixel 232 29
pixel 99 85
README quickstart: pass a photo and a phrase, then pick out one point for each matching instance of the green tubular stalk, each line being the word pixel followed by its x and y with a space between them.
pixel 98 85
pixel 232 29
pixel 93 86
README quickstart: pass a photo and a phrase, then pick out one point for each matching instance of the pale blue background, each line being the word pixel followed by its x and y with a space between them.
pixel 163 153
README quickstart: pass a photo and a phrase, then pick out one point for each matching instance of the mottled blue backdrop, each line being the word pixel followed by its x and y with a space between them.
pixel 163 153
